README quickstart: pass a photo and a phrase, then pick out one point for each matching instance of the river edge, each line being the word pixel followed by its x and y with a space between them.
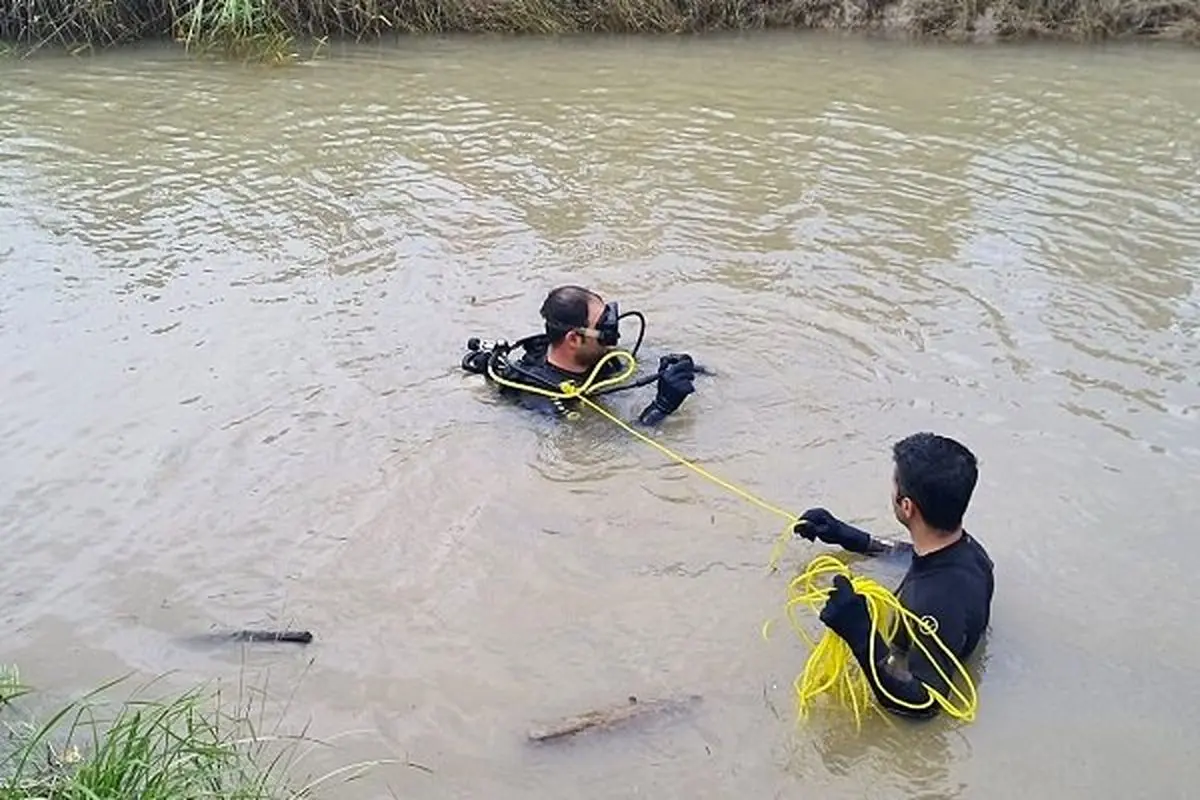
pixel 286 30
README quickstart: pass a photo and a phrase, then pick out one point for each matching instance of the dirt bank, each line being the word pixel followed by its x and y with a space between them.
pixel 271 26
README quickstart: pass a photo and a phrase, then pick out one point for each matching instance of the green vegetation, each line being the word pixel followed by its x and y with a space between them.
pixel 268 28
pixel 188 746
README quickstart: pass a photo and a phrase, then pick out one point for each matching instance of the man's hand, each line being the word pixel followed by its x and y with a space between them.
pixel 817 523
pixel 845 613
pixel 676 380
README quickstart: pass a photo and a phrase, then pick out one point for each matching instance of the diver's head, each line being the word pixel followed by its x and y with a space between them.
pixel 580 326
pixel 932 483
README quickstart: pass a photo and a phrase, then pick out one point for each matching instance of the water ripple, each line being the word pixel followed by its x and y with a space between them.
pixel 232 302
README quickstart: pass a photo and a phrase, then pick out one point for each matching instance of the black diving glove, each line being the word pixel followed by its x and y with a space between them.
pixel 676 380
pixel 845 613
pixel 476 361
pixel 817 523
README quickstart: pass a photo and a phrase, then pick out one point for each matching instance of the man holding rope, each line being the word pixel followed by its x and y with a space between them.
pixel 949 583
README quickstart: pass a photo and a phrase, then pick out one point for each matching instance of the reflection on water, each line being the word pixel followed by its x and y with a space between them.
pixel 231 307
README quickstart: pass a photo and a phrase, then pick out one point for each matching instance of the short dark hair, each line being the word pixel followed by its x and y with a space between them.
pixel 566 308
pixel 938 474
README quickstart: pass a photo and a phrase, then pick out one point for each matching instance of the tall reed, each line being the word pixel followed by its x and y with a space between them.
pixel 192 745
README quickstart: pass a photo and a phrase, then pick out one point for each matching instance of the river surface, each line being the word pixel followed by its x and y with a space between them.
pixel 233 302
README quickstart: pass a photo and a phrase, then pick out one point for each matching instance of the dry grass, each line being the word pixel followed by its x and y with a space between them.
pixel 1086 20
pixel 266 28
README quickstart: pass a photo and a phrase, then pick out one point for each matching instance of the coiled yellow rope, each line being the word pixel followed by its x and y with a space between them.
pixel 831 665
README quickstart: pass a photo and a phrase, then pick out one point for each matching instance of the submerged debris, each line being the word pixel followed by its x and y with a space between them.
pixel 607 717
pixel 299 637
pixel 248 635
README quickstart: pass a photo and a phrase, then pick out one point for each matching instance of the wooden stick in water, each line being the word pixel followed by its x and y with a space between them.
pixel 298 637
pixel 608 717
pixel 218 638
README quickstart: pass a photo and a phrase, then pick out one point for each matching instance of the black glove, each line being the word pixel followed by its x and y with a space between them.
pixel 476 361
pixel 676 380
pixel 845 613
pixel 817 523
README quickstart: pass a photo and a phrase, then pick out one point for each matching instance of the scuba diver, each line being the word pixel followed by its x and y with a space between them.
pixel 579 346
pixel 949 582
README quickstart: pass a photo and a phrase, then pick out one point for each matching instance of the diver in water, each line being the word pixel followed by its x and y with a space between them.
pixel 948 584
pixel 581 330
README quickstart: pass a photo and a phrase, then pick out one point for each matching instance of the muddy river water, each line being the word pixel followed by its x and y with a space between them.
pixel 233 302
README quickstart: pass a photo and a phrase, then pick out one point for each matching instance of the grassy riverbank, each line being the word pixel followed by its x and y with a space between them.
pixel 187 746
pixel 270 26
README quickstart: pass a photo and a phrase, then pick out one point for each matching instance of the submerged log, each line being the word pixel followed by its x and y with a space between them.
pixel 298 637
pixel 294 637
pixel 607 717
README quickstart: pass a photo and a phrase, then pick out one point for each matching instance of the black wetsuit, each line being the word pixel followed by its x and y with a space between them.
pixel 534 368
pixel 953 586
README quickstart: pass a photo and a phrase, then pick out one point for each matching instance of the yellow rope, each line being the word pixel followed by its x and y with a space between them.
pixel 569 391
pixel 791 519
pixel 830 665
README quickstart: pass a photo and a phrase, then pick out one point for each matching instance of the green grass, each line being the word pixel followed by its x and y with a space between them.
pixel 246 29
pixel 185 747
